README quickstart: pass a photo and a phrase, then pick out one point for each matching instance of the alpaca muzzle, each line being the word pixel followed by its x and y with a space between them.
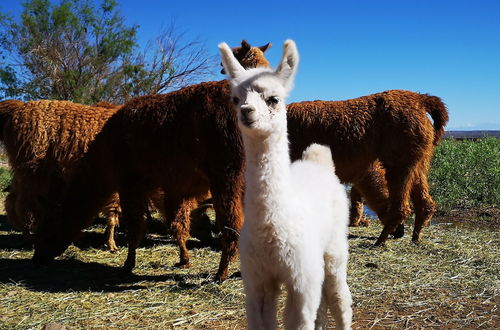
pixel 247 115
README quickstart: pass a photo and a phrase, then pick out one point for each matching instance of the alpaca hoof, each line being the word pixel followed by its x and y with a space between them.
pixel 365 222
pixel 126 271
pixel 127 268
pixel 182 265
pixel 417 236
pixel 399 232
pixel 236 275
pixel 112 249
pixel 219 279
pixel 416 239
pixel 378 244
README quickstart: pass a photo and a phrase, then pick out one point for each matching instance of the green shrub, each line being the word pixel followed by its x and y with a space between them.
pixel 466 174
pixel 5 177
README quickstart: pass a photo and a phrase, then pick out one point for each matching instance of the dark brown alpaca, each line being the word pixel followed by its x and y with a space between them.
pixel 382 144
pixel 185 142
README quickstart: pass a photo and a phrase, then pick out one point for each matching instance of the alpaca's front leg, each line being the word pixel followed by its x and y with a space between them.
pixel 179 211
pixel 134 207
pixel 260 302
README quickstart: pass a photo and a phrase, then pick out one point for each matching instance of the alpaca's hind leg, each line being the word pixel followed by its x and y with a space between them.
pixel 337 292
pixel 399 182
pixel 260 303
pixel 111 223
pixel 179 211
pixel 112 212
pixel 356 209
pixel 373 187
pixel 423 204
pixel 134 206
pixel 303 300
pixel 322 314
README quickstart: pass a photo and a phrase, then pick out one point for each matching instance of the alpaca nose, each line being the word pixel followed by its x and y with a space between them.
pixel 246 114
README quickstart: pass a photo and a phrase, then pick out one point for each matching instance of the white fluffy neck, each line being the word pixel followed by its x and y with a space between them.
pixel 267 174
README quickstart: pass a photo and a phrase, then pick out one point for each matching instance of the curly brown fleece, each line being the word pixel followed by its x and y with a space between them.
pixel 382 144
pixel 44 141
pixel 185 143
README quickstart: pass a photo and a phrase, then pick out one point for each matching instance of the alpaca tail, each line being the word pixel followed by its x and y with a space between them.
pixel 319 154
pixel 437 109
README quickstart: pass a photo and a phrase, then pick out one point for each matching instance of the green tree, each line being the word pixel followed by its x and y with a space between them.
pixel 84 52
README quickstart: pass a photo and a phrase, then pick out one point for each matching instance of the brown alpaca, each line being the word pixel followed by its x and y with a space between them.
pixel 44 141
pixel 382 144
pixel 185 143
pixel 250 57
pixel 371 183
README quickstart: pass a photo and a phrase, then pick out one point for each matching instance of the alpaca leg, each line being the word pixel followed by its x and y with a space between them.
pixel 19 219
pixel 179 211
pixel 337 292
pixel 112 212
pixel 22 211
pixel 227 200
pixel 134 206
pixel 322 314
pixel 399 182
pixel 260 303
pixel 423 204
pixel 303 301
pixel 356 210
pixel 112 223
pixel 373 187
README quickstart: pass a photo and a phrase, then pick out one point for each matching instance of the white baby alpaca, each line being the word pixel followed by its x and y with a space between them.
pixel 295 230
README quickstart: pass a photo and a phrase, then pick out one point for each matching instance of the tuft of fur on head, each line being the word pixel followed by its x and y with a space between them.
pixel 319 154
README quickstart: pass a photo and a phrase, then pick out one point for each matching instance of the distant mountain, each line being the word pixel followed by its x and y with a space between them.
pixel 471 134
pixel 476 127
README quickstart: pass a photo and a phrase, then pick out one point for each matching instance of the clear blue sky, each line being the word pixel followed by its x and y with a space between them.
pixel 447 48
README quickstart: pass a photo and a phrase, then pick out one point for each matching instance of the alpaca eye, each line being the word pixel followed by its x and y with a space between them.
pixel 236 100
pixel 272 100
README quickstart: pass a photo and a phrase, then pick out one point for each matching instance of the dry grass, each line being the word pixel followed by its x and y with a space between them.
pixel 448 281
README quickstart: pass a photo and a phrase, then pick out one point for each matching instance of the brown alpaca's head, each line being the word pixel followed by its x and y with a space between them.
pixel 250 57
pixel 51 237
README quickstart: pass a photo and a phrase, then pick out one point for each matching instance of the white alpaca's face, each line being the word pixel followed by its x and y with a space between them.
pixel 259 98
pixel 259 94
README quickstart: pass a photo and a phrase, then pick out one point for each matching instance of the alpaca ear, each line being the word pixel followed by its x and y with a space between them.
pixel 265 47
pixel 231 65
pixel 289 63
pixel 245 45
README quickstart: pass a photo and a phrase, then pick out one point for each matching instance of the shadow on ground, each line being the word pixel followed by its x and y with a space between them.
pixel 74 275
pixel 69 273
